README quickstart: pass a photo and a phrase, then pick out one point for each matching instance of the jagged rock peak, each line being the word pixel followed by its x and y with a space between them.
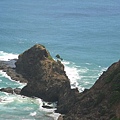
pixel 37 61
pixel 38 51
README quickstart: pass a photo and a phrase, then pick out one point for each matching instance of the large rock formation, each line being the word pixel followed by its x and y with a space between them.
pixel 46 77
pixel 102 101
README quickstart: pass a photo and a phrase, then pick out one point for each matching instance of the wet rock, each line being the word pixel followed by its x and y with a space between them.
pixel 11 90
pixel 17 90
pixel 8 90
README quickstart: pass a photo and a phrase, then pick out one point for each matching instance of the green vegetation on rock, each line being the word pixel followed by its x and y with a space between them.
pixel 50 58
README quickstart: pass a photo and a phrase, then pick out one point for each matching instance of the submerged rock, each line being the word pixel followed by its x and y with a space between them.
pixel 11 90
pixel 8 90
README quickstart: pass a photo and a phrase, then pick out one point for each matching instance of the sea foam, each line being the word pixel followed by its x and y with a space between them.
pixel 8 58
pixel 79 77
pixel 73 73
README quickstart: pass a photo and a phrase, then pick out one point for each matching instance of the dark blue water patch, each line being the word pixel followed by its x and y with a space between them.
pixel 84 29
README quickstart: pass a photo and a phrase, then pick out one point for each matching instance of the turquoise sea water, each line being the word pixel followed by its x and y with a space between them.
pixel 86 34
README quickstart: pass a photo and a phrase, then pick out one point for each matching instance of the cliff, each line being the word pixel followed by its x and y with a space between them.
pixel 47 79
pixel 102 101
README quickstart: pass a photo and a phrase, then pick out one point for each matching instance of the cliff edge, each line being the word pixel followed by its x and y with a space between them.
pixel 102 101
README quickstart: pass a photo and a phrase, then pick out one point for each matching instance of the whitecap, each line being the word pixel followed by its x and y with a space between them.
pixel 3 74
pixel 74 72
pixel 49 112
pixel 7 56
pixel 33 113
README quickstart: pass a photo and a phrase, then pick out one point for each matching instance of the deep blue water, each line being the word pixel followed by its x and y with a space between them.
pixel 86 34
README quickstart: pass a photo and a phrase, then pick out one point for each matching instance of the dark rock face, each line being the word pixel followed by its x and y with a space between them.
pixel 11 90
pixel 102 101
pixel 46 77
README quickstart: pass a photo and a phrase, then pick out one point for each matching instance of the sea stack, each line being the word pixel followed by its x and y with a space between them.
pixel 46 77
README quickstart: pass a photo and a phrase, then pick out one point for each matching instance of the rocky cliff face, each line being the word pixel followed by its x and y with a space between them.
pixel 46 77
pixel 102 101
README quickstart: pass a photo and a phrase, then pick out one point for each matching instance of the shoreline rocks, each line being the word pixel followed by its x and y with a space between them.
pixel 101 101
pixel 47 79
pixel 11 90
pixel 44 76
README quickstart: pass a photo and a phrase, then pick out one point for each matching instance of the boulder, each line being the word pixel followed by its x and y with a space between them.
pixel 17 91
pixel 8 90
pixel 11 90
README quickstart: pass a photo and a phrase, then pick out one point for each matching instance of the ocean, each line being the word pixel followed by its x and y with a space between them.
pixel 85 33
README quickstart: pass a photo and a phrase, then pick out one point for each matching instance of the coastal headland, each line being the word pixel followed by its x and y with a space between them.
pixel 47 80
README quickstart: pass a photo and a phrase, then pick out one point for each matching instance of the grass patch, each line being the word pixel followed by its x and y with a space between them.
pixel 50 58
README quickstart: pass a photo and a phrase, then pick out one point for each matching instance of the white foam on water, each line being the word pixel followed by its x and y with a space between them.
pixel 102 70
pixel 48 111
pixel 3 74
pixel 6 99
pixel 33 113
pixel 8 58
pixel 73 72
pixel 83 76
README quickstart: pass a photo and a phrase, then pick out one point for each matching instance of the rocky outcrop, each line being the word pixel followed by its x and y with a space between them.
pixel 102 101
pixel 4 66
pixel 11 90
pixel 46 77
